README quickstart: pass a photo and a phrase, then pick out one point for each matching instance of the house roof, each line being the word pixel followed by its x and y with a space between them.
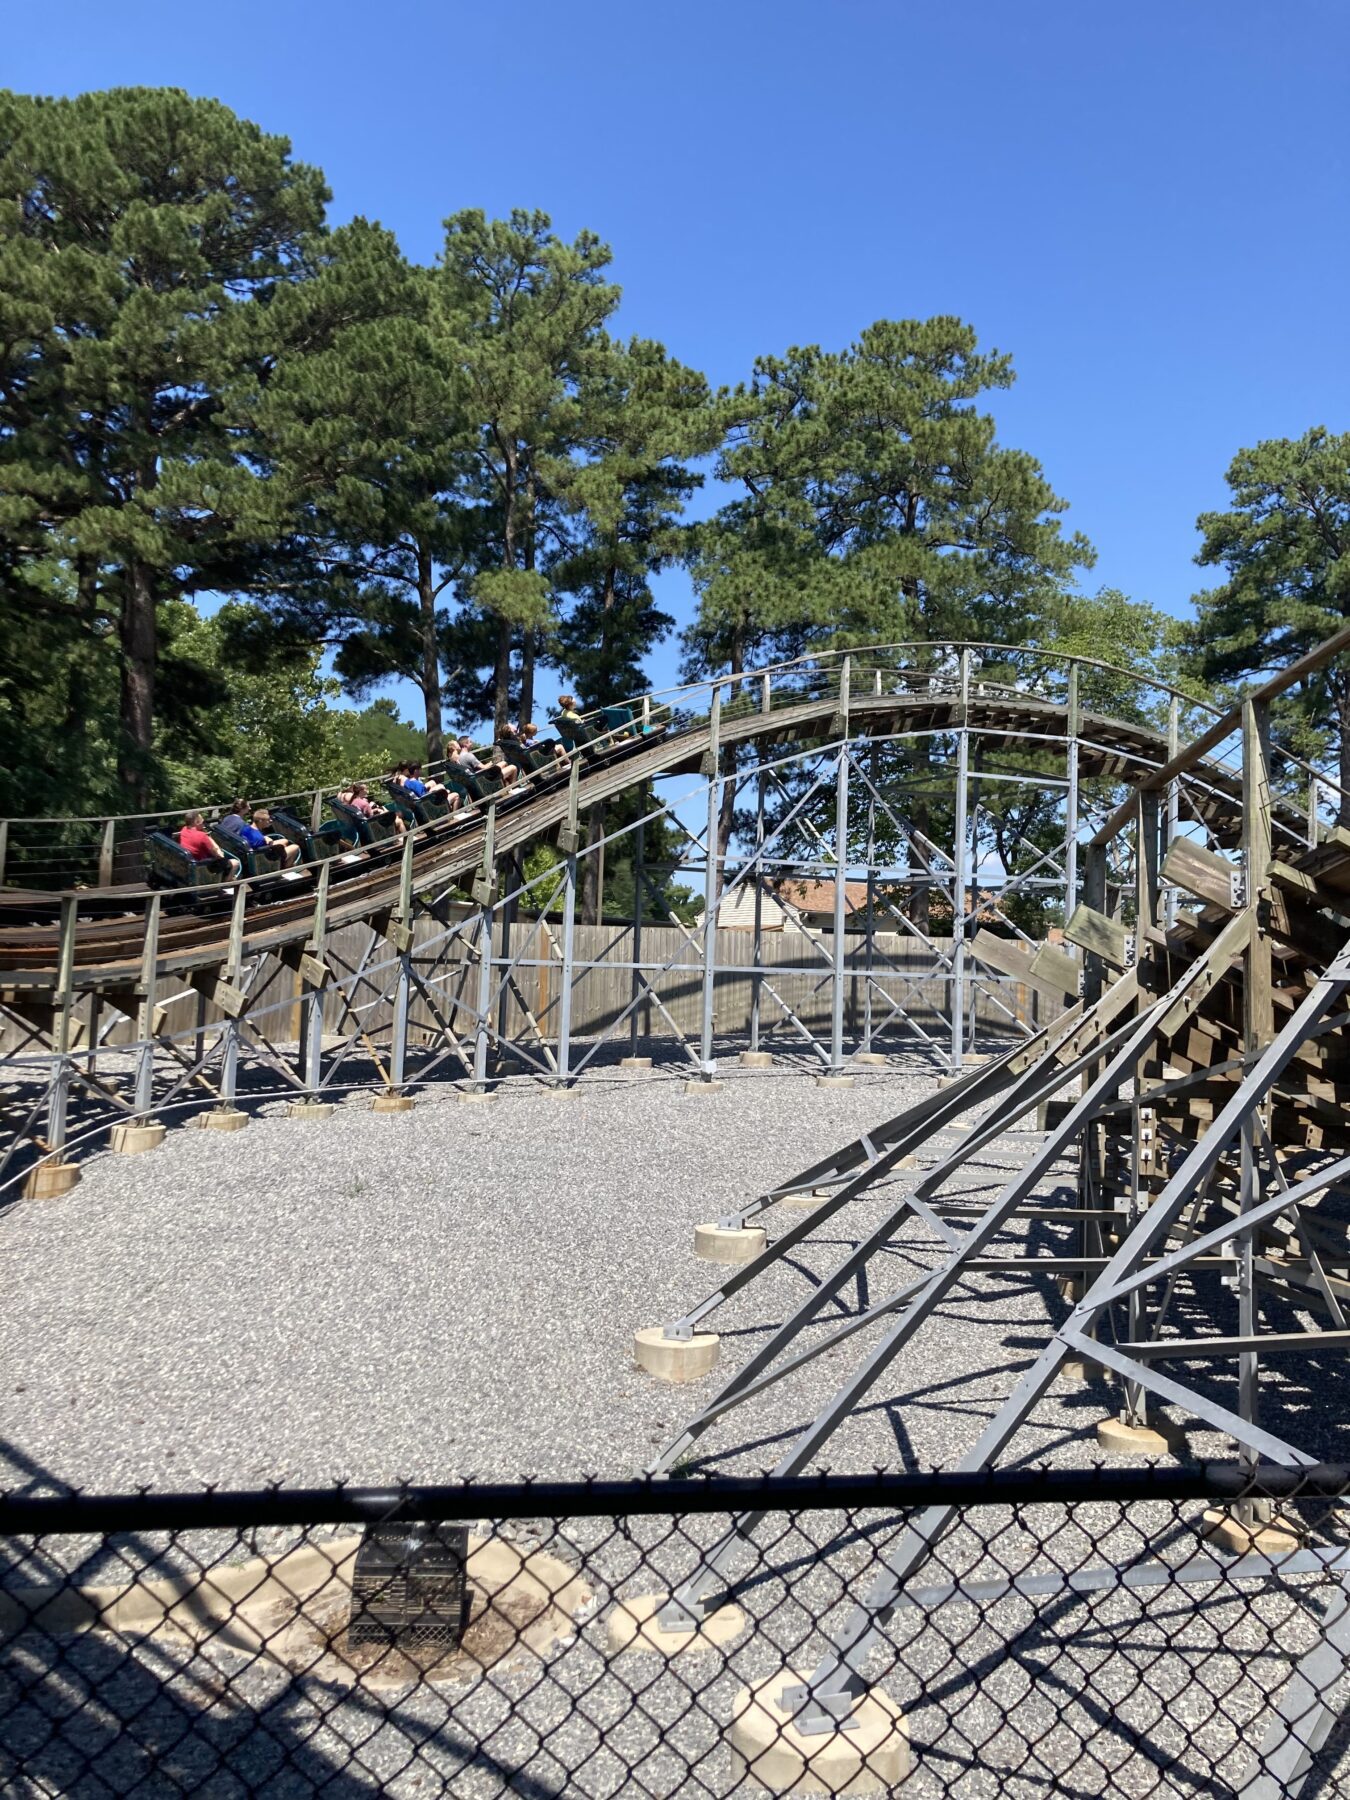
pixel 818 896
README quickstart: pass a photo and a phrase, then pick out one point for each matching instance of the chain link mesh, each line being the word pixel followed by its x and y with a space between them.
pixel 1097 1641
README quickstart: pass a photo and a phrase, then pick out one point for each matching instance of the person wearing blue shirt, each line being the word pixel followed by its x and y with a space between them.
pixel 260 836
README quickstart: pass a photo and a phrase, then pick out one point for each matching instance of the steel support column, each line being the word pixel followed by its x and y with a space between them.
pixel 959 875
pixel 711 882
pixel 839 948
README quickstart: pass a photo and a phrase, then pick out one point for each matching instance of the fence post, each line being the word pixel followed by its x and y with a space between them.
pixel 4 848
pixel 145 1012
pixel 312 1023
pixel 1072 727
pixel 959 873
pixel 234 965
pixel 639 877
pixel 484 893
pixel 403 986
pixel 757 953
pixel 867 1053
pixel 567 843
pixel 63 1001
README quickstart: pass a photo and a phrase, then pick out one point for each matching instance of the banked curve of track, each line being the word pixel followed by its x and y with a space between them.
pixel 110 946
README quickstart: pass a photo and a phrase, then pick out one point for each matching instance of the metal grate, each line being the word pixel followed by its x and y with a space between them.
pixel 409 1588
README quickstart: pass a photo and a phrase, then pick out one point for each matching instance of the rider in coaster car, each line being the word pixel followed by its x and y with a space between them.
pixel 203 848
pixel 465 758
pixel 356 797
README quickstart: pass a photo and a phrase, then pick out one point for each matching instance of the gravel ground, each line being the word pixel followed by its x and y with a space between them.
pixel 444 1293
pixel 452 1293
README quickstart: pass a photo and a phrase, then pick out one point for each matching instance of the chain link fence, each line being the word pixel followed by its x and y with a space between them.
pixel 1068 1633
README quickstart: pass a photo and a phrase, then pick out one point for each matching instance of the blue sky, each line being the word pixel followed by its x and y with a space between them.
pixel 1145 205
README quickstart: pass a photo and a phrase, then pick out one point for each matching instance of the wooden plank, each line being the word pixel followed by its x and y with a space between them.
pixel 1093 931
pixel 313 970
pixel 229 998
pixel 1297 880
pixel 1200 872
pixel 1007 955
pixel 1230 943
pixel 1200 747
pixel 1055 970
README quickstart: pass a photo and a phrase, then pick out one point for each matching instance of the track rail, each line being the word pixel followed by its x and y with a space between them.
pixel 107 949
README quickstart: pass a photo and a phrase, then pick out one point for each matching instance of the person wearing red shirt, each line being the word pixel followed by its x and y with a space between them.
pixel 203 848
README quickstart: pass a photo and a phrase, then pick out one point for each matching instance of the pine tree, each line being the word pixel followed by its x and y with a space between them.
pixel 642 416
pixel 875 505
pixel 1285 545
pixel 145 238
pixel 527 310
pixel 369 438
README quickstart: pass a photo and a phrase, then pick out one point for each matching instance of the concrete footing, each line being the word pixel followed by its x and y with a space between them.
pixel 134 1140
pixel 392 1103
pixel 677 1360
pixel 870 1757
pixel 728 1243
pixel 476 1097
pixel 697 1084
pixel 311 1110
pixel 1261 1537
pixel 224 1118
pixel 633 1623
pixel 1074 1368
pixel 635 1062
pixel 834 1080
pixel 1117 1438
pixel 50 1180
pixel 558 1090
pixel 756 1059
pixel 871 1059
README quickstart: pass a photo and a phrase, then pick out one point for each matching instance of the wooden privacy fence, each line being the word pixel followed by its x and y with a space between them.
pixel 794 973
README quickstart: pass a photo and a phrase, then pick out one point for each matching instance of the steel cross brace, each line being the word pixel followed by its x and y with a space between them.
pixel 688 1604
pixel 829 1694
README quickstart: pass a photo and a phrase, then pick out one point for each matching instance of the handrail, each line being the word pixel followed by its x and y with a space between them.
pixel 704 685
pixel 1230 722
pixel 384 853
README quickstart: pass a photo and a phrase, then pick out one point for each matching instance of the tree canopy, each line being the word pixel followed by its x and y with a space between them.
pixel 1284 545
pixel 144 237
pixel 874 504
pixel 254 467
